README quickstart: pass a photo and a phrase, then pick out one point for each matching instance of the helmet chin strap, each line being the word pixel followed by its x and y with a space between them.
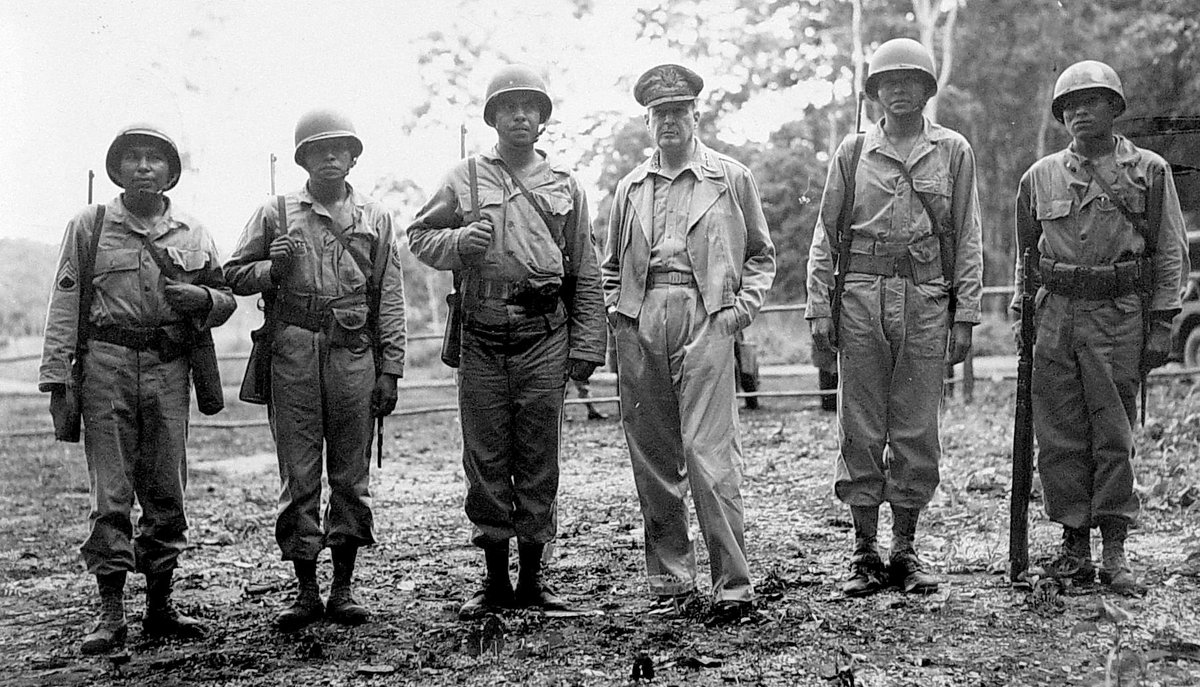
pixel 143 203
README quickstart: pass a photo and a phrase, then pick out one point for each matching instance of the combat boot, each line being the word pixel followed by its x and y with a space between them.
pixel 497 590
pixel 342 608
pixel 905 567
pixel 532 592
pixel 306 608
pixel 867 574
pixel 1074 560
pixel 108 634
pixel 162 619
pixel 1114 570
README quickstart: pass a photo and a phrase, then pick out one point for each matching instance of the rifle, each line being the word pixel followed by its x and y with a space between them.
pixel 1022 451
pixel 844 239
pixel 452 337
pixel 256 382
pixel 69 428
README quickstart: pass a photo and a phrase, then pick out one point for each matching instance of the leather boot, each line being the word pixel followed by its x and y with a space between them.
pixel 1114 570
pixel 906 569
pixel 161 618
pixel 497 591
pixel 532 592
pixel 1074 560
pixel 342 608
pixel 306 608
pixel 108 634
pixel 867 574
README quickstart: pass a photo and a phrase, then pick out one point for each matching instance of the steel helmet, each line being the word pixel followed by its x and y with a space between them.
pixel 1086 75
pixel 516 78
pixel 319 125
pixel 900 54
pixel 112 161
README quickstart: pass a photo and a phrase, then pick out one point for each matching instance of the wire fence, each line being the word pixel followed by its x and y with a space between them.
pixel 966 378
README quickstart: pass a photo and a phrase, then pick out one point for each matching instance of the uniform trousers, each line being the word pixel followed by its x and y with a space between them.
pixel 1085 382
pixel 511 386
pixel 678 407
pixel 135 419
pixel 321 408
pixel 892 348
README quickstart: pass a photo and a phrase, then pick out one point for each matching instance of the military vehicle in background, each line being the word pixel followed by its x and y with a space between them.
pixel 1178 140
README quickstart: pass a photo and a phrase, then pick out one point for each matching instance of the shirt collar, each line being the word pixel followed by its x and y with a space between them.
pixel 703 162
pixel 1125 153
pixel 117 213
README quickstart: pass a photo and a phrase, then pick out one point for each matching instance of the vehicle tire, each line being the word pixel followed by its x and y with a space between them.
pixel 1191 349
pixel 827 380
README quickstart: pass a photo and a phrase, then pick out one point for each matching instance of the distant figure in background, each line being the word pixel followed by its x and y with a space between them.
pixel 532 318
pixel 135 395
pixel 583 389
pixel 326 254
pixel 1102 221
pixel 687 264
pixel 914 245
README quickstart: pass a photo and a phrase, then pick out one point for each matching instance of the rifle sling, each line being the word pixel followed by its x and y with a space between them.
pixel 86 261
pixel 1138 221
pixel 558 237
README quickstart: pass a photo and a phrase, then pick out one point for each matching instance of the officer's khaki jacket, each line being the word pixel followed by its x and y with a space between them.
pixel 728 243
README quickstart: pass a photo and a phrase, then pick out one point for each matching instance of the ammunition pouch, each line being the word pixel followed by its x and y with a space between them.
pixel 1096 282
pixel 172 342
pixel 542 299
pixel 343 319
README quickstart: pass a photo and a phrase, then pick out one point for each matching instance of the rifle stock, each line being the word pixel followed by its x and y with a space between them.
pixel 1022 451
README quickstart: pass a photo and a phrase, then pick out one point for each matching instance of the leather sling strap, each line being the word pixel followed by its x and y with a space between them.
pixel 86 261
pixel 558 237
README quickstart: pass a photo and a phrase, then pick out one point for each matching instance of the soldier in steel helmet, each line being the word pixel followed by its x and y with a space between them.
pixel 687 264
pixel 910 254
pixel 513 226
pixel 155 280
pixel 1103 224
pixel 326 257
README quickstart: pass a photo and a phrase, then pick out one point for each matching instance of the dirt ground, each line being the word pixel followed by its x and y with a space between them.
pixel 977 630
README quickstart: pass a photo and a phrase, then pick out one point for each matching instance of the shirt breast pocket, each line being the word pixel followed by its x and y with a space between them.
pixel 187 260
pixel 116 269
pixel 1052 209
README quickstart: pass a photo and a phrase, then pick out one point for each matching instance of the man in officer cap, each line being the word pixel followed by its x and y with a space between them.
pixel 688 262
pixel 1101 219
pixel 909 253
pixel 152 282
pixel 513 226
pixel 325 258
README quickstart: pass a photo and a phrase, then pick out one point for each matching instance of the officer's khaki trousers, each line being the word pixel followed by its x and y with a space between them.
pixel 511 386
pixel 1085 382
pixel 676 382
pixel 892 349
pixel 321 408
pixel 135 416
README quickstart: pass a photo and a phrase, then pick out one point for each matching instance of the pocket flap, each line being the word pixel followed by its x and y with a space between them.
pixel 351 319
pixel 1053 209
pixel 187 260
pixel 924 250
pixel 117 260
pixel 938 186
pixel 556 202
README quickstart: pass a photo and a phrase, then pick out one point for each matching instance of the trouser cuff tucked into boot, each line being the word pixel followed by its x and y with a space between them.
pixel 307 607
pixel 1074 560
pixel 532 592
pixel 905 567
pixel 162 619
pixel 342 608
pixel 497 591
pixel 108 633
pixel 1115 571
